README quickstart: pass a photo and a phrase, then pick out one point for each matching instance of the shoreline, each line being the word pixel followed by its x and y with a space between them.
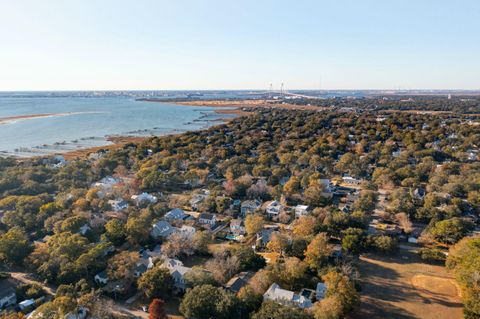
pixel 239 107
pixel 118 141
pixel 10 119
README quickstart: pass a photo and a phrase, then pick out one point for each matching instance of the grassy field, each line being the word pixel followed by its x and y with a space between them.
pixel 402 286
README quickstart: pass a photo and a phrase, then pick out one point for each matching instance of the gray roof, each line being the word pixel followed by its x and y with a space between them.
pixel 206 216
pixel 103 274
pixel 238 281
pixel 162 229
pixel 175 213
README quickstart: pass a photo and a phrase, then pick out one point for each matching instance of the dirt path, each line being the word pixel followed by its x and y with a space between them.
pixel 404 287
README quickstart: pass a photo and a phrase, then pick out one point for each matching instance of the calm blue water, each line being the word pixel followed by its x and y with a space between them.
pixel 95 118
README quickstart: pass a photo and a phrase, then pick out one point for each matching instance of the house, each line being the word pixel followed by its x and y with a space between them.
pixel 301 210
pixel 57 161
pixel 237 227
pixel 7 293
pixel 162 229
pixel 144 198
pixel 327 187
pixel 345 208
pixel 84 229
pixel 320 291
pixel 236 203
pixel 419 193
pixel 106 183
pixel 286 297
pixel 146 261
pixel 239 281
pixel 178 272
pixel 307 293
pixel 186 231
pixel 154 253
pixel 28 303
pixel 396 153
pixel 140 269
pixel 336 251
pixel 264 236
pixel 207 219
pixel 197 199
pixel 273 208
pixel 118 204
pixel 107 247
pixel 80 313
pixel 101 278
pixel 175 214
pixel 350 180
pixel 249 206
pixel 412 240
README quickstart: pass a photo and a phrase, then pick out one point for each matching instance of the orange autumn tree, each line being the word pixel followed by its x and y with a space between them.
pixel 156 309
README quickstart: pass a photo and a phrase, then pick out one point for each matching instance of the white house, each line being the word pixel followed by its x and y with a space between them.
pixel 101 278
pixel 286 297
pixel 350 180
pixel 237 227
pixel 162 229
pixel 175 214
pixel 118 204
pixel 25 304
pixel 301 210
pixel 106 183
pixel 144 198
pixel 273 208
pixel 178 272
pixel 207 219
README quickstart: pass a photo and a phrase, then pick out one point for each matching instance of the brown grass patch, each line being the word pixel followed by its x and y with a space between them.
pixel 433 284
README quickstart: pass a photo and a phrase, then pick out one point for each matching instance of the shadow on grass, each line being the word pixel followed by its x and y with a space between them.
pixel 383 289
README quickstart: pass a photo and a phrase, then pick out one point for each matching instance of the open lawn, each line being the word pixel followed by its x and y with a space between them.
pixel 403 286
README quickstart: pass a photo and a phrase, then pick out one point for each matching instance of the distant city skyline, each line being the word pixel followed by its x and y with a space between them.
pixel 247 45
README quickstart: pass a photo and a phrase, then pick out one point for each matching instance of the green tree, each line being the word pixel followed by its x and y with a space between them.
pixel 449 231
pixel 207 301
pixel 273 310
pixel 384 244
pixel 115 231
pixel 249 301
pixel 14 246
pixel 353 240
pixel 464 260
pixel 156 282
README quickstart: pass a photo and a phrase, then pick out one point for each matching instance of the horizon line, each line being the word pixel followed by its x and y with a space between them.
pixel 256 89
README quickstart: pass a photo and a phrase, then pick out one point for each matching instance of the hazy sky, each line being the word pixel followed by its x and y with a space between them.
pixel 233 44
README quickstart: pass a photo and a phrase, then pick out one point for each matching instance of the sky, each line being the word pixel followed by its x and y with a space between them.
pixel 232 44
